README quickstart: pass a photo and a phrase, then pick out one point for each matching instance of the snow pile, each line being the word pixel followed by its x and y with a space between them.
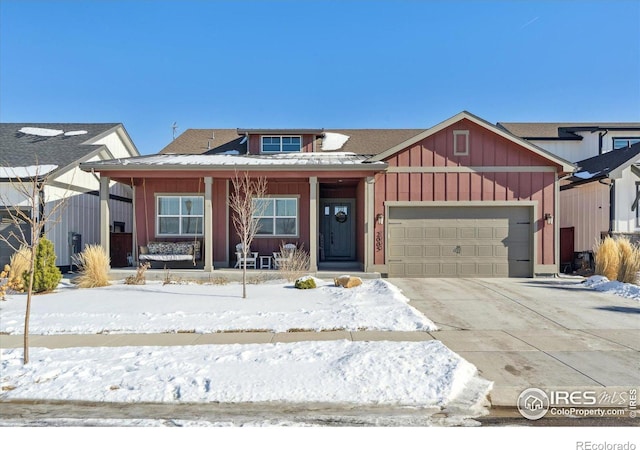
pixel 421 374
pixel 76 133
pixel 27 171
pixel 333 141
pixel 600 283
pixel 154 308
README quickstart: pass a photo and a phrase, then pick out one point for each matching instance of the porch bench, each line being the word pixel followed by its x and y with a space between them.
pixel 168 252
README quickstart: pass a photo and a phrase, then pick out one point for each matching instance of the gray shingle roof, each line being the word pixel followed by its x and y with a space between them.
pixel 599 167
pixel 216 140
pixel 19 149
pixel 561 130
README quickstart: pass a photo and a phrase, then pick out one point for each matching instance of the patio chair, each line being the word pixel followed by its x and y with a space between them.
pixel 281 257
pixel 249 261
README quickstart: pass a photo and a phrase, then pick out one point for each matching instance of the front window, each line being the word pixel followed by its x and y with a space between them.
pixel 279 216
pixel 275 144
pixel 179 215
pixel 624 142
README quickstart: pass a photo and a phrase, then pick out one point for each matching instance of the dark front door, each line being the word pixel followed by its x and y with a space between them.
pixel 338 229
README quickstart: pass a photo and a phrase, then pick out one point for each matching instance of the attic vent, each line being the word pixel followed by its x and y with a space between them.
pixel 460 142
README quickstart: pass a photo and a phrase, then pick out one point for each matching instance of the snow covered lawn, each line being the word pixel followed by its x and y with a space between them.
pixel 420 374
pixel 207 308
pixel 600 283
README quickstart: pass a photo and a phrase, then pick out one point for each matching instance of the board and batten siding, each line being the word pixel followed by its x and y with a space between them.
pixel 80 213
pixel 486 149
pixel 586 208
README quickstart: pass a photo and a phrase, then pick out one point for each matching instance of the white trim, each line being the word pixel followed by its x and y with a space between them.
pixel 295 197
pixel 369 222
pixel 281 143
pixel 566 165
pixel 157 195
pixel 471 169
pixel 457 133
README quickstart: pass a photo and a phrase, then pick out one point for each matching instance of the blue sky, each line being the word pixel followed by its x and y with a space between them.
pixel 331 64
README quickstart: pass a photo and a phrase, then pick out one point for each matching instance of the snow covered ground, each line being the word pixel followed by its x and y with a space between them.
pixel 424 375
pixel 600 283
pixel 206 308
pixel 418 374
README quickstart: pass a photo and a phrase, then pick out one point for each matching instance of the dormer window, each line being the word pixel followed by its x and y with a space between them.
pixel 275 144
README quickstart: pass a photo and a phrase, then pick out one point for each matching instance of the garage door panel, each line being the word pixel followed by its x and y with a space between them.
pixel 414 233
pixel 431 250
pixel 396 251
pixel 460 241
pixel 466 233
pixel 431 232
pixel 448 233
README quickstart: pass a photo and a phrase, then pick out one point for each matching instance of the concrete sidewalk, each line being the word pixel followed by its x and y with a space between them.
pixel 552 334
pixel 169 339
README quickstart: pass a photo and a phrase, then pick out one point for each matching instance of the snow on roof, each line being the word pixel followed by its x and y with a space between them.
pixel 49 132
pixel 333 141
pixel 309 159
pixel 26 172
pixel 46 132
pixel 586 175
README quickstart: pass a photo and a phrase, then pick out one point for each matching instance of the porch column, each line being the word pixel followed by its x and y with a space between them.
pixel 208 225
pixel 313 224
pixel 105 219
pixel 369 222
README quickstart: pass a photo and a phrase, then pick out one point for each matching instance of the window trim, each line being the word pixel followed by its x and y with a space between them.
pixel 622 138
pixel 159 195
pixel 457 133
pixel 274 216
pixel 281 143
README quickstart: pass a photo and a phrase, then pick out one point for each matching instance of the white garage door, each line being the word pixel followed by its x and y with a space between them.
pixel 460 242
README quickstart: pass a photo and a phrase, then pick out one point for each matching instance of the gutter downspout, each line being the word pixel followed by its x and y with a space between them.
pixel 600 136
pixel 612 205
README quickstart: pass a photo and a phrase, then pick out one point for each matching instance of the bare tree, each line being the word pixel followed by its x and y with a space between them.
pixel 28 185
pixel 246 206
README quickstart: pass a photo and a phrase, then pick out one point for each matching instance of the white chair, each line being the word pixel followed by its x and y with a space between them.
pixel 249 261
pixel 281 257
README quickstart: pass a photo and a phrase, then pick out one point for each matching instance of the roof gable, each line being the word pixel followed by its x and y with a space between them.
pixel 566 166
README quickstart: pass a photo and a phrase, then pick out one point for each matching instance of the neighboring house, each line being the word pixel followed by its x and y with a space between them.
pixel 463 198
pixel 601 197
pixel 53 151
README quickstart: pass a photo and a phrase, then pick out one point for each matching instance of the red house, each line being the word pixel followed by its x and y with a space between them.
pixel 463 198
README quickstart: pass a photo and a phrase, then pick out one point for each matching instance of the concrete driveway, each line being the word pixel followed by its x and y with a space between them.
pixel 547 333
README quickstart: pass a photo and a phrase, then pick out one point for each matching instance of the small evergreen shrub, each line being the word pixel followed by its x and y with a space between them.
pixel 94 267
pixel 46 275
pixel 305 283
